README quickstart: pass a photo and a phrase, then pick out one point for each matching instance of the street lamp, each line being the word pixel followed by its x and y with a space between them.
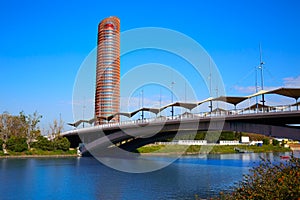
pixel 83 109
pixel 261 77
pixel 172 108
pixel 142 94
pixel 210 87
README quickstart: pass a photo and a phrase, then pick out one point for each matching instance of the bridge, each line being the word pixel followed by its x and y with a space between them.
pixel 274 121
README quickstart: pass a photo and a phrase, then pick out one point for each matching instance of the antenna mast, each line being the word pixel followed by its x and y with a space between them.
pixel 256 90
pixel 261 63
pixel 210 91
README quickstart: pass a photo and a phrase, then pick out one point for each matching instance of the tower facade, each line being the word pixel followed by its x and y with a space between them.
pixel 107 96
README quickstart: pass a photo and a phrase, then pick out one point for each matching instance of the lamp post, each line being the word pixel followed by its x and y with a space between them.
pixel 210 87
pixel 210 106
pixel 142 94
pixel 172 108
pixel 261 63
pixel 83 109
pixel 256 89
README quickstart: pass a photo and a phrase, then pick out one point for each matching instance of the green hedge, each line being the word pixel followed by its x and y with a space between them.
pixel 275 142
pixel 43 144
pixel 51 145
pixel 266 141
pixel 16 144
pixel 62 144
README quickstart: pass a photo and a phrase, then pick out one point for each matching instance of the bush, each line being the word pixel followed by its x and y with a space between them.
pixel 1 143
pixel 43 144
pixel 228 136
pixel 17 144
pixel 270 181
pixel 255 137
pixel 62 144
pixel 47 145
pixel 266 141
pixel 275 142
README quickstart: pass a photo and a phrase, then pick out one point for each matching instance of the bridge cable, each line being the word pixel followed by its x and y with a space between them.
pixel 242 79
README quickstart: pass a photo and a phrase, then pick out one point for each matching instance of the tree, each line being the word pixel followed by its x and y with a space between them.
pixel 1 144
pixel 56 128
pixel 266 141
pixel 11 126
pixel 16 144
pixel 30 123
pixel 16 127
pixel 270 181
pixel 5 120
pixel 59 143
pixel 212 136
pixel 275 142
pixel 44 144
pixel 62 144
pixel 20 126
pixel 227 135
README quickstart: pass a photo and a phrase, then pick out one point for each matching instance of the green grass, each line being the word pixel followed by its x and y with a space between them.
pixel 38 152
pixel 267 148
pixel 217 149
pixel 56 152
pixel 149 149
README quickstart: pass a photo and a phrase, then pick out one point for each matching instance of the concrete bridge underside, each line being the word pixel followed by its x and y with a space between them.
pixel 132 136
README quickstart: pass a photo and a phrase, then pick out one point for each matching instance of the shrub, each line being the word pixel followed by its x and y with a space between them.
pixel 62 144
pixel 266 141
pixel 228 136
pixel 255 137
pixel 275 142
pixel 43 144
pixel 1 143
pixel 270 181
pixel 17 144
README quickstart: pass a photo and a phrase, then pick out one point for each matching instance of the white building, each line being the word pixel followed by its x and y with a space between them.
pixel 245 139
pixel 229 142
pixel 192 142
pixel 184 142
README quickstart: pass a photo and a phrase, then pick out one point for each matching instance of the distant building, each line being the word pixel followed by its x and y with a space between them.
pixel 192 142
pixel 184 142
pixel 245 139
pixel 107 96
pixel 229 142
pixel 257 143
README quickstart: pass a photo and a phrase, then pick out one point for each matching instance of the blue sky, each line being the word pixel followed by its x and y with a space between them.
pixel 43 44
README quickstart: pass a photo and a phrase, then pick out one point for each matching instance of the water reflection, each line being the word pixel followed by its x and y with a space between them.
pixel 86 178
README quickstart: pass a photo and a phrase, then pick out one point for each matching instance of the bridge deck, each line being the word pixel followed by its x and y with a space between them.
pixel 274 124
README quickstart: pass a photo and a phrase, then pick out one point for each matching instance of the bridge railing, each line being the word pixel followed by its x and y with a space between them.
pixel 208 114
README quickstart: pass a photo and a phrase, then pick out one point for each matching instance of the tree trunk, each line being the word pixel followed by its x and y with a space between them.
pixel 4 148
pixel 28 144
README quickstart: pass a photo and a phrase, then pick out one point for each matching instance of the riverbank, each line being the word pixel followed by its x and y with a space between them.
pixel 161 150
pixel 39 154
pixel 206 149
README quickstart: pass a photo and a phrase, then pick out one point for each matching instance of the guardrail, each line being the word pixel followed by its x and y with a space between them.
pixel 216 113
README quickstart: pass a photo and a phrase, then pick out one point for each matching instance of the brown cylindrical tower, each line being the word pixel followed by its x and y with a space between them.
pixel 107 96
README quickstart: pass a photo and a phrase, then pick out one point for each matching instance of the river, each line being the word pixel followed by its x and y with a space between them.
pixel 87 178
